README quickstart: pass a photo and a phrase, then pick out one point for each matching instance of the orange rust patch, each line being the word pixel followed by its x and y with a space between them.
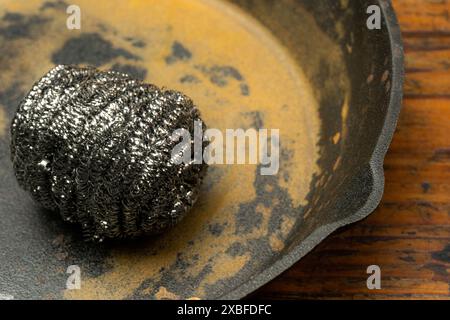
pixel 3 121
pixel 164 294
pixel 275 243
pixel 336 137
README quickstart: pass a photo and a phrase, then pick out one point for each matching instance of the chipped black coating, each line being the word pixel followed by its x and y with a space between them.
pixel 96 146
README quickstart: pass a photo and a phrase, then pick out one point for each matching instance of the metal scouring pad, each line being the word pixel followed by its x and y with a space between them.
pixel 97 147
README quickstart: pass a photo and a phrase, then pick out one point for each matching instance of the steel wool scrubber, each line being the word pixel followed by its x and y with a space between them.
pixel 96 146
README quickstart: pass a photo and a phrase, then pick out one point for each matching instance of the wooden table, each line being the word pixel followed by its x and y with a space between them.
pixel 408 236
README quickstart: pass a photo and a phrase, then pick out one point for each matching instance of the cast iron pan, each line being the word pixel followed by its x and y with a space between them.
pixel 309 68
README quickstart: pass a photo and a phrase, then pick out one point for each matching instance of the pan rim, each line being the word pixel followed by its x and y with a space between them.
pixel 375 164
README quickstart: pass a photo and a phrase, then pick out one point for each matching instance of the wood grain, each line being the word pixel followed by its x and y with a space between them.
pixel 408 236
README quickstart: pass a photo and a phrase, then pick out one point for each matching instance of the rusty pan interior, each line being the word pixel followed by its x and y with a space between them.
pixel 309 68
